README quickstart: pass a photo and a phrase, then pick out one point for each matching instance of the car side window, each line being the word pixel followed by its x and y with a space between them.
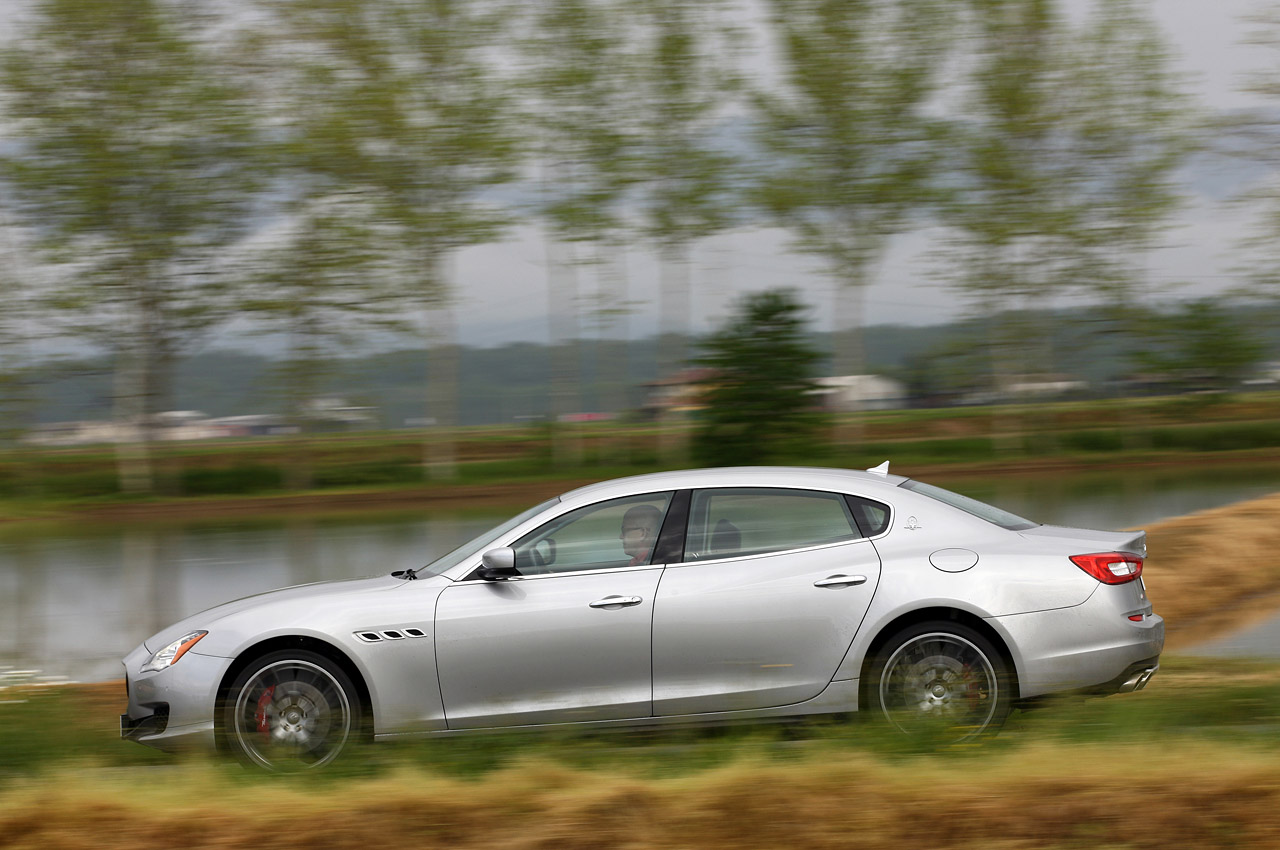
pixel 616 533
pixel 872 517
pixel 732 522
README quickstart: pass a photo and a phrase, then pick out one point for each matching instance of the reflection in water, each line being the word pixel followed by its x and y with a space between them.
pixel 73 603
pixel 1116 500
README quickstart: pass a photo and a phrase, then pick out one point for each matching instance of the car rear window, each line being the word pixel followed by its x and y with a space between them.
pixel 981 510
pixel 734 522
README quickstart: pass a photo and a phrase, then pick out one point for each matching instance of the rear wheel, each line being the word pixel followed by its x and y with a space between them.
pixel 940 682
pixel 291 710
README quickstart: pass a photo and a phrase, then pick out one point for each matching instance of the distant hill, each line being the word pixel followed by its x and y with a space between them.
pixel 501 384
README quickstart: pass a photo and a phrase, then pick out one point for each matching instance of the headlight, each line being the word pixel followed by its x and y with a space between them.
pixel 171 653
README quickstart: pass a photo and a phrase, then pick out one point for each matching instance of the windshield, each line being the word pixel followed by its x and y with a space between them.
pixel 478 545
pixel 981 510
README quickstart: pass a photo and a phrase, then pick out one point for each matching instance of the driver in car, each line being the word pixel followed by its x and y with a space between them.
pixel 639 533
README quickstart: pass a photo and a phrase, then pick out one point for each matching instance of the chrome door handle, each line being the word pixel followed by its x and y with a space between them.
pixel 840 581
pixel 616 602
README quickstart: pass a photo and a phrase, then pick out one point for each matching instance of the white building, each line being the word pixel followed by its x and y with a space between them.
pixel 845 393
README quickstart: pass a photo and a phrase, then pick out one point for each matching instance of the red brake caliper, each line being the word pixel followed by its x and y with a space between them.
pixel 264 726
pixel 972 691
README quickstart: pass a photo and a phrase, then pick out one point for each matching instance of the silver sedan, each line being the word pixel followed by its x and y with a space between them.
pixel 708 595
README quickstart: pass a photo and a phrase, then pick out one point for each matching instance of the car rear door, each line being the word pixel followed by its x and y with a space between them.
pixel 773 586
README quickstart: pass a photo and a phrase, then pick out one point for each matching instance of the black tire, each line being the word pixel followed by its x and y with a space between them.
pixel 940 683
pixel 291 710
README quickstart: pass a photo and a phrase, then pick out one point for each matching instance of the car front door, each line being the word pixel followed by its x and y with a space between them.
pixel 566 640
pixel 773 586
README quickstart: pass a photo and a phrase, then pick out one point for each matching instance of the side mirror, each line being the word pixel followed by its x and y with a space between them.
pixel 498 564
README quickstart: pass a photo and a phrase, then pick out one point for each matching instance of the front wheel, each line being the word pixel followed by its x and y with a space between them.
pixel 940 682
pixel 291 710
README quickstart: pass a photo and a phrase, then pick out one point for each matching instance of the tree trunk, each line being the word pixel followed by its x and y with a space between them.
pixel 133 459
pixel 562 318
pixel 673 443
pixel 440 438
pixel 848 357
pixel 613 363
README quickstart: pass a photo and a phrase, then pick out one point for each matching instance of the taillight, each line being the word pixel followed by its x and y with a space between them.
pixel 1110 567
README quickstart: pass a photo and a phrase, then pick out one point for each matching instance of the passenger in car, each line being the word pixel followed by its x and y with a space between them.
pixel 726 539
pixel 639 532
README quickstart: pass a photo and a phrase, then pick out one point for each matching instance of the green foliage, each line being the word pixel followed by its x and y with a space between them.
pixel 1199 345
pixel 395 103
pixel 853 152
pixel 1066 156
pixel 238 479
pixel 1100 440
pixel 760 397
pixel 582 74
pixel 1219 437
pixel 682 88
pixel 395 124
pixel 404 470
pixel 133 167
pixel 41 727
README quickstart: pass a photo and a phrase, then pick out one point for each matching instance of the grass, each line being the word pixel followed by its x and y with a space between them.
pixel 33 481
pixel 1193 699
pixel 1192 761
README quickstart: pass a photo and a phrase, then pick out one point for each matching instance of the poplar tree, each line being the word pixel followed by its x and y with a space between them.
pixel 580 73
pixel 684 171
pixel 1065 163
pixel 125 158
pixel 1254 134
pixel 400 102
pixel 318 282
pixel 852 148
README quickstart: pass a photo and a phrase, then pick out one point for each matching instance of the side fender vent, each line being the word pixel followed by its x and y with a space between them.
pixel 390 634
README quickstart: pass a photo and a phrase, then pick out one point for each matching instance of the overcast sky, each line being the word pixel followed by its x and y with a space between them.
pixel 503 286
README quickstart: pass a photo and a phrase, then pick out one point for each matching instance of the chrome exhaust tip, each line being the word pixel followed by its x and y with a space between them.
pixel 1138 680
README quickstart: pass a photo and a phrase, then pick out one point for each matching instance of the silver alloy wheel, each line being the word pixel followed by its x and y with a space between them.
pixel 940 685
pixel 292 714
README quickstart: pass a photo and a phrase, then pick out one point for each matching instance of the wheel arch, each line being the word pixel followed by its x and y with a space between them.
pixel 294 642
pixel 934 614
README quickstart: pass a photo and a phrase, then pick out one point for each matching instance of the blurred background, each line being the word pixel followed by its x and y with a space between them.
pixel 281 219
pixel 308 289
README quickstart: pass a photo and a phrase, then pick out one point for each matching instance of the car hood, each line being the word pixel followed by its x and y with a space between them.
pixel 1084 541
pixel 302 592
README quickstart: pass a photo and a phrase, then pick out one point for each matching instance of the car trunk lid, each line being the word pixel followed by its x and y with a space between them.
pixel 1080 541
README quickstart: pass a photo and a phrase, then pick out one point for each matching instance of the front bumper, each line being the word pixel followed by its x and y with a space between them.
pixel 172 709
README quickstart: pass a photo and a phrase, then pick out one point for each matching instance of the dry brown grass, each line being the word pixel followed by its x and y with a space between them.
pixel 1213 572
pixel 1038 796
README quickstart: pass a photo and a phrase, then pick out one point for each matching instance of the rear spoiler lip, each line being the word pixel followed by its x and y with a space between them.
pixel 1132 541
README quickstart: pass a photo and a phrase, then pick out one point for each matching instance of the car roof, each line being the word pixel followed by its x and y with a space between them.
pixel 805 477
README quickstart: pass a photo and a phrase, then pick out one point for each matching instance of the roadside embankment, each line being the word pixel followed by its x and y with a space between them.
pixel 1036 796
pixel 1214 572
